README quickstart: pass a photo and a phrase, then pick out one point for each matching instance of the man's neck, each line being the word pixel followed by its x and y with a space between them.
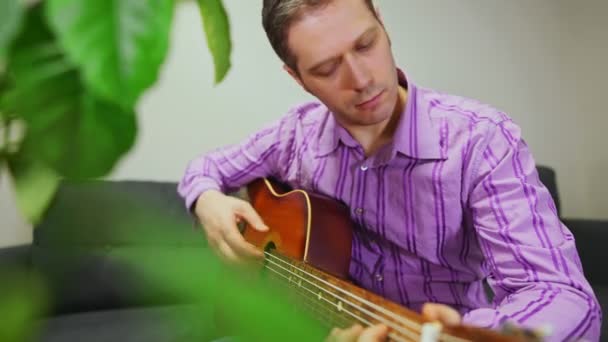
pixel 374 137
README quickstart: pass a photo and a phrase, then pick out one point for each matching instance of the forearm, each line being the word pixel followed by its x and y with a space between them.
pixel 199 178
pixel 568 313
pixel 227 169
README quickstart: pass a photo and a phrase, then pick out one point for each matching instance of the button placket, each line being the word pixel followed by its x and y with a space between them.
pixel 378 273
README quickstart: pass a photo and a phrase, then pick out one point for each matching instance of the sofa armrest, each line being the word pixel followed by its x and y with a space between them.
pixel 15 257
pixel 591 237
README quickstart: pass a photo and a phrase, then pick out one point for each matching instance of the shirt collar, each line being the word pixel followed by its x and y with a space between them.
pixel 331 134
pixel 415 135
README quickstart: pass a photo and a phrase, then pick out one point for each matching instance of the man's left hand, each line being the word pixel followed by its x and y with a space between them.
pixel 441 313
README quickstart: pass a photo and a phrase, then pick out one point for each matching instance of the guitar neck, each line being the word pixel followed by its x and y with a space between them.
pixel 337 303
pixel 334 302
pixel 311 292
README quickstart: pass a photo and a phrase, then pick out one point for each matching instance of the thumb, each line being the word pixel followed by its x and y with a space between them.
pixel 442 313
pixel 377 332
pixel 249 214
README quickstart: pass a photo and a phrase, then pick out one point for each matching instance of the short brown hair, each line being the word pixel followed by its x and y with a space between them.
pixel 279 15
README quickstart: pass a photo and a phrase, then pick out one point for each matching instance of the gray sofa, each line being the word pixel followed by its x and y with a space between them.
pixel 93 226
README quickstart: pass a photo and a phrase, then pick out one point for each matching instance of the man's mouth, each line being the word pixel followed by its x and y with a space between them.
pixel 370 103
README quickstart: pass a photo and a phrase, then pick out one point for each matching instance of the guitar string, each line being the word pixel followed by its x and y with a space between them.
pixel 443 336
pixel 411 324
pixel 354 315
pixel 306 292
pixel 328 317
pixel 313 295
pixel 346 301
pixel 288 283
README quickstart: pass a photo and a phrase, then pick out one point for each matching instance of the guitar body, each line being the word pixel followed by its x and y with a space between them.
pixel 314 234
pixel 305 227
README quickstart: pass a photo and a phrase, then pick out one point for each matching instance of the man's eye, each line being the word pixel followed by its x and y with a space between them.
pixel 365 46
pixel 327 71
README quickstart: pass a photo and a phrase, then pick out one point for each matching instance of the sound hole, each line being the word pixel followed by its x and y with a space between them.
pixel 270 247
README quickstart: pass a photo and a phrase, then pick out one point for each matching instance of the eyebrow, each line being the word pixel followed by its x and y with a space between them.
pixel 330 59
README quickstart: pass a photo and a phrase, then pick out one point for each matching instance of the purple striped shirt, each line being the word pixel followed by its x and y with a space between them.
pixel 453 200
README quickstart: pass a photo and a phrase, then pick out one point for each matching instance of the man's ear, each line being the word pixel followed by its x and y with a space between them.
pixel 294 75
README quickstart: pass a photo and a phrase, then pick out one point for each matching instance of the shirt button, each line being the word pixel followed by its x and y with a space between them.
pixel 379 277
pixel 364 167
pixel 359 211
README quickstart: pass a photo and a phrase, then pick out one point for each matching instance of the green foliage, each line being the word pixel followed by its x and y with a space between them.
pixel 241 302
pixel 11 12
pixel 71 74
pixel 118 45
pixel 216 29
pixel 24 298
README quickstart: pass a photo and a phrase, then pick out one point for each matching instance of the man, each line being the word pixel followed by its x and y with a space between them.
pixel 443 189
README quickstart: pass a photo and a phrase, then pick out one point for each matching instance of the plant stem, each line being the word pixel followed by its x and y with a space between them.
pixel 4 124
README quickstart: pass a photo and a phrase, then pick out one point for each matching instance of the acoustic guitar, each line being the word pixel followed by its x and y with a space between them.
pixel 308 248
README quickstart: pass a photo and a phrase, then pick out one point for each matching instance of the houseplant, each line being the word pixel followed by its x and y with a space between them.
pixel 71 74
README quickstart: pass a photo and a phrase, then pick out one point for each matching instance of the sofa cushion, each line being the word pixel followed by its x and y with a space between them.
pixel 90 223
pixel 601 292
pixel 590 237
pixel 547 177
pixel 103 213
pixel 162 323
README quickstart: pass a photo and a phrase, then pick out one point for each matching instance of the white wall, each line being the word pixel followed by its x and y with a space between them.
pixel 584 38
pixel 543 62
pixel 537 60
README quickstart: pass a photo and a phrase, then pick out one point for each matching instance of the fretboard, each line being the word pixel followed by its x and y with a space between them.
pixel 332 302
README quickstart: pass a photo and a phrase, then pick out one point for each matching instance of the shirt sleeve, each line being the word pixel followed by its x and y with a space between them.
pixel 228 168
pixel 535 271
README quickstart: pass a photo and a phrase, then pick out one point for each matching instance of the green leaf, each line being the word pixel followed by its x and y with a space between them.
pixel 244 304
pixel 217 30
pixel 35 186
pixel 67 127
pixel 25 295
pixel 11 12
pixel 118 44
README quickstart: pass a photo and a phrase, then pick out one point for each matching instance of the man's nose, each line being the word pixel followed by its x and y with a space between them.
pixel 360 77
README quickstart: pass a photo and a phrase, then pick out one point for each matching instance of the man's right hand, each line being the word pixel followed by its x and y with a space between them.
pixel 219 214
pixel 357 333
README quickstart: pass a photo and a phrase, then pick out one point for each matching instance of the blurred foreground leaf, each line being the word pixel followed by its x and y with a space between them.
pixel 23 299
pixel 67 127
pixel 11 12
pixel 118 45
pixel 217 30
pixel 35 185
pixel 173 262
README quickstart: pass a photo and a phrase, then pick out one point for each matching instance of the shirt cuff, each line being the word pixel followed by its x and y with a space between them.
pixel 196 190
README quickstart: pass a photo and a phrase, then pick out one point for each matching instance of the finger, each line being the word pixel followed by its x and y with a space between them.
pixel 375 333
pixel 226 252
pixel 238 244
pixel 345 335
pixel 246 211
pixel 223 253
pixel 212 242
pixel 442 313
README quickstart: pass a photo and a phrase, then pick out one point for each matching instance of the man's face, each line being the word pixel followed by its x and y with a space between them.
pixel 344 59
